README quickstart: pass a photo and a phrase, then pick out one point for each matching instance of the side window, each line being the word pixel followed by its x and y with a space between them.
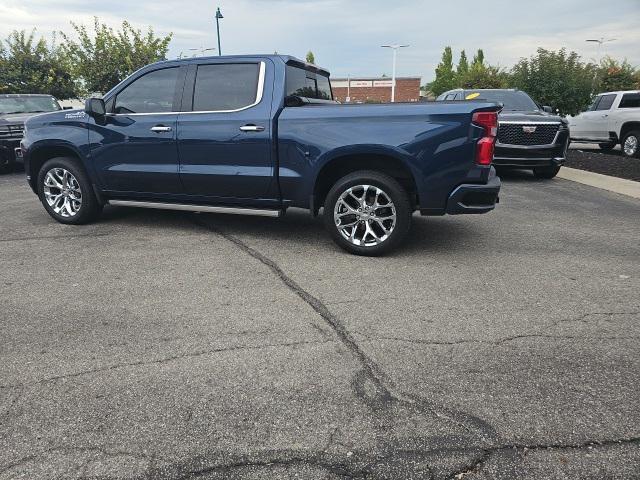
pixel 151 93
pixel 630 100
pixel 605 102
pixel 458 96
pixel 594 104
pixel 228 86
pixel 450 96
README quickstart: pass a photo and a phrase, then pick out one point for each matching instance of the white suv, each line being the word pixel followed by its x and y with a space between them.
pixel 613 118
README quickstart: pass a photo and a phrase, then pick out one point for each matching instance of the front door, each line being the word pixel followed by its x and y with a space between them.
pixel 135 151
pixel 224 141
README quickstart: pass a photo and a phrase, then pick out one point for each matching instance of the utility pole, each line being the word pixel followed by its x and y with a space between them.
pixel 218 17
pixel 395 48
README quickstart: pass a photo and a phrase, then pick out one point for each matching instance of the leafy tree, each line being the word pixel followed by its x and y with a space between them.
pixel 310 57
pixel 614 75
pixel 481 76
pixel 463 65
pixel 30 65
pixel 556 78
pixel 105 57
pixel 445 76
pixel 478 58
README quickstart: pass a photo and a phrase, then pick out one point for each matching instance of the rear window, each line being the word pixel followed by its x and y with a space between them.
pixel 630 100
pixel 303 83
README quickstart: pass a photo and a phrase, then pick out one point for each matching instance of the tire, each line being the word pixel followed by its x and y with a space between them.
pixel 382 232
pixel 546 172
pixel 607 146
pixel 631 144
pixel 68 197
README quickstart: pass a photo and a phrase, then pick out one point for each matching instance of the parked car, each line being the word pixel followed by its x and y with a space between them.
pixel 15 109
pixel 529 135
pixel 256 135
pixel 613 118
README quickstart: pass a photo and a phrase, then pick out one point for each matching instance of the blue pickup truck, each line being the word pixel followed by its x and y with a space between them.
pixel 256 135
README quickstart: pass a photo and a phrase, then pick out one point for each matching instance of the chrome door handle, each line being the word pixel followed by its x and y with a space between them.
pixel 160 128
pixel 605 115
pixel 252 128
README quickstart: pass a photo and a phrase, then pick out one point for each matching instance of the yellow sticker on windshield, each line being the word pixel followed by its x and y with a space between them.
pixel 471 96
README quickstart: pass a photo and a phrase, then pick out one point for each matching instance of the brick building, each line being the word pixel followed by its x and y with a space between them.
pixel 374 90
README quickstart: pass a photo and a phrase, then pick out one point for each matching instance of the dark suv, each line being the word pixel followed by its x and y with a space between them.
pixel 15 109
pixel 529 135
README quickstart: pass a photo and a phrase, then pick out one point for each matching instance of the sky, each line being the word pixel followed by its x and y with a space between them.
pixel 346 35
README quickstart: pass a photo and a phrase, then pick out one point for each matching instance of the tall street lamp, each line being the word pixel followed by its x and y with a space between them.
pixel 218 17
pixel 395 48
pixel 600 41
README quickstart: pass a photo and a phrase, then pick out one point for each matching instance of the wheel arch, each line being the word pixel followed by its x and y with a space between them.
pixel 344 161
pixel 39 154
pixel 628 127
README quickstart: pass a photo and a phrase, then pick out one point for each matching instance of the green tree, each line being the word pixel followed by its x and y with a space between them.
pixel 310 57
pixel 478 58
pixel 614 75
pixel 484 76
pixel 463 65
pixel 105 57
pixel 556 78
pixel 30 65
pixel 445 76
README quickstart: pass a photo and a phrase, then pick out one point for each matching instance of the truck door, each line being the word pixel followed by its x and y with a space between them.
pixel 225 137
pixel 135 150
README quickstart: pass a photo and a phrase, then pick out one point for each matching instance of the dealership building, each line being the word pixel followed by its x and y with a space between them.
pixel 375 90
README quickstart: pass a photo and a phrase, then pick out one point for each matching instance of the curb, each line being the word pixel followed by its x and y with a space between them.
pixel 605 182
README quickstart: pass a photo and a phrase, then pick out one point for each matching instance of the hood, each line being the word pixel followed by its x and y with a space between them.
pixel 13 118
pixel 535 116
pixel 58 116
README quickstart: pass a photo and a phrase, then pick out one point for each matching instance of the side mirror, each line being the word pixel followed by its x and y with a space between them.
pixel 94 106
pixel 547 109
pixel 67 108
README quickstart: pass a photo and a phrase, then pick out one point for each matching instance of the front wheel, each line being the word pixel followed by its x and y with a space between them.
pixel 631 144
pixel 546 172
pixel 66 192
pixel 367 213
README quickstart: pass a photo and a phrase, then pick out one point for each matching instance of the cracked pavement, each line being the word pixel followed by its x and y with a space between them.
pixel 170 345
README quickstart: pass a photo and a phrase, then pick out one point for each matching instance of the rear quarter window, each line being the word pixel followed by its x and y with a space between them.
pixel 303 83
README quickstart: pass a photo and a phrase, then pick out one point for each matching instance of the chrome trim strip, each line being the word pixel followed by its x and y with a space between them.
pixel 197 208
pixel 515 122
pixel 259 95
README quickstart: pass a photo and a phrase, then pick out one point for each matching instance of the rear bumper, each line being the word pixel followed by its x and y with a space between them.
pixel 528 162
pixel 474 198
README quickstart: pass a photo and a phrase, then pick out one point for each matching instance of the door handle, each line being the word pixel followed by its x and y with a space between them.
pixel 252 128
pixel 605 115
pixel 160 129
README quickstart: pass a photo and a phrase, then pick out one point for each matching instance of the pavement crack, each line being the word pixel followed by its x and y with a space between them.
pixel 163 360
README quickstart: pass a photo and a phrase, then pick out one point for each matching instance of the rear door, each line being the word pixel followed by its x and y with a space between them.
pixel 225 136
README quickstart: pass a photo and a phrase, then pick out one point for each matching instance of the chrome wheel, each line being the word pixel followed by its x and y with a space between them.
pixel 630 145
pixel 365 215
pixel 62 192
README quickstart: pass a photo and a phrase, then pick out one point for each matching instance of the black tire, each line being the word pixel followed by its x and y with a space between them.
pixel 627 137
pixel 546 172
pixel 88 209
pixel 392 191
pixel 607 146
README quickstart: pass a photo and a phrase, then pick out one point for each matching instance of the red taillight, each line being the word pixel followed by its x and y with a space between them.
pixel 484 148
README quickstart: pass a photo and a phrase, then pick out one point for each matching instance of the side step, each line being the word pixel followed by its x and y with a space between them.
pixel 197 208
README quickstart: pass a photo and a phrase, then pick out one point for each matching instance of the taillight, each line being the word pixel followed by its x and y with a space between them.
pixel 484 147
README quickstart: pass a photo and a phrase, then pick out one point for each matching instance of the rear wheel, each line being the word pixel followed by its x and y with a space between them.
pixel 367 213
pixel 66 192
pixel 546 172
pixel 631 144
pixel 607 146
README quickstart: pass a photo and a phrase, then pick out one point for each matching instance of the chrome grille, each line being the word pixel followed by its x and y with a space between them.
pixel 516 134
pixel 12 131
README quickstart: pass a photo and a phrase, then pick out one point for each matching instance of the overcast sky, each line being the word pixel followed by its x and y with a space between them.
pixel 346 35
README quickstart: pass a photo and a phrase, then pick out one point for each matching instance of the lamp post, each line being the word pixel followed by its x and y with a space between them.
pixel 218 17
pixel 395 48
pixel 600 41
pixel 201 50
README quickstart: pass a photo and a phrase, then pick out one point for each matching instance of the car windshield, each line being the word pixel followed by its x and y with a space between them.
pixel 28 104
pixel 513 100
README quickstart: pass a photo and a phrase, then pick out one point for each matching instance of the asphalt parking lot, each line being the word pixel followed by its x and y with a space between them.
pixel 174 345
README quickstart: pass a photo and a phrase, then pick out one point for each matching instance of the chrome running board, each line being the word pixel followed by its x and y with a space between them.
pixel 197 208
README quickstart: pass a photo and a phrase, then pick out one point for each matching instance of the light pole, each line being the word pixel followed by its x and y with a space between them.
pixel 395 48
pixel 201 50
pixel 218 17
pixel 600 41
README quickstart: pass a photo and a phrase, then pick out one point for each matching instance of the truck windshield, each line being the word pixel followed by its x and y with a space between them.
pixel 513 100
pixel 304 83
pixel 28 104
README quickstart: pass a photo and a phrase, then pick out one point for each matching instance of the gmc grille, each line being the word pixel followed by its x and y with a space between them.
pixel 14 131
pixel 514 134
